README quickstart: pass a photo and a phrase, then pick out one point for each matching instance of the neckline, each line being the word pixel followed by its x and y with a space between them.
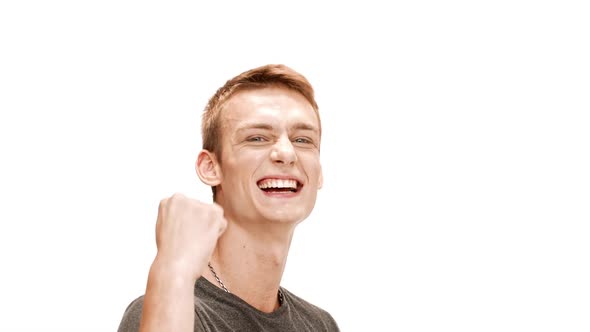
pixel 231 298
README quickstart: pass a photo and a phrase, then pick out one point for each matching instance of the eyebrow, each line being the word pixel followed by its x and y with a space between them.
pixel 255 126
pixel 266 126
pixel 305 126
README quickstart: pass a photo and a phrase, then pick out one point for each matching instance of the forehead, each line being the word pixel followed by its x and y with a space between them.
pixel 276 106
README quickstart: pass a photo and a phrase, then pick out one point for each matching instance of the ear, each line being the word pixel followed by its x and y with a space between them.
pixel 208 168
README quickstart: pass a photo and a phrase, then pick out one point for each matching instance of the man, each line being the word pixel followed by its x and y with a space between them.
pixel 219 266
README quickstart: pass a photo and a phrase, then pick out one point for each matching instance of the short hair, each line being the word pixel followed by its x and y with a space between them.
pixel 272 75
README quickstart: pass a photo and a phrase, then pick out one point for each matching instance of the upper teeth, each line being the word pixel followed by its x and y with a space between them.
pixel 276 183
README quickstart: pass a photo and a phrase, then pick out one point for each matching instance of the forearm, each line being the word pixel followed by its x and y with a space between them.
pixel 169 300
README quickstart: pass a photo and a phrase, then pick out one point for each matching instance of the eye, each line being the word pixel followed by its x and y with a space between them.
pixel 303 140
pixel 256 139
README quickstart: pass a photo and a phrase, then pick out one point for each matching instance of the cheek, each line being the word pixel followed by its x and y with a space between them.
pixel 249 155
pixel 312 167
pixel 242 166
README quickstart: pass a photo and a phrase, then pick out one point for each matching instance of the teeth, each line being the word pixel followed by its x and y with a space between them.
pixel 277 183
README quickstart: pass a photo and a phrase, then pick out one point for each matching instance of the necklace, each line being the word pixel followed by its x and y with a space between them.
pixel 281 297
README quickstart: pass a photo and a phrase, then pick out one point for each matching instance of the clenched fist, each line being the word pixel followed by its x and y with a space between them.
pixel 186 233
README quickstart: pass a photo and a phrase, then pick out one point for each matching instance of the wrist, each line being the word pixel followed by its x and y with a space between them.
pixel 176 271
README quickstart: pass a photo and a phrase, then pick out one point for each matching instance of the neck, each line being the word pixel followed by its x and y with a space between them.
pixel 250 262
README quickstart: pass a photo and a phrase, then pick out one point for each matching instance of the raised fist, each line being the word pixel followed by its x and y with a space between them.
pixel 186 233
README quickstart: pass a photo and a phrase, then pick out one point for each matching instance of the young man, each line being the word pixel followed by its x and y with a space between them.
pixel 219 266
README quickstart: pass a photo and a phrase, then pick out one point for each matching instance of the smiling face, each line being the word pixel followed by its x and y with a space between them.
pixel 270 161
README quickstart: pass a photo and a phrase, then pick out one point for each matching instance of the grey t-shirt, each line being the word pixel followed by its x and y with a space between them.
pixel 217 310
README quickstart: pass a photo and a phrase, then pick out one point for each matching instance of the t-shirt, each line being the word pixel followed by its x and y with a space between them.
pixel 217 310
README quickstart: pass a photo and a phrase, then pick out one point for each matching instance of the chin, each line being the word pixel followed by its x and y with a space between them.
pixel 282 208
pixel 287 216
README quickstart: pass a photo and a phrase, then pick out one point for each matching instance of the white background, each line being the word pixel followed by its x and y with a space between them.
pixel 456 153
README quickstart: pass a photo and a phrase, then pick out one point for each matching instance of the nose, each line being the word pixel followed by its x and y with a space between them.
pixel 283 152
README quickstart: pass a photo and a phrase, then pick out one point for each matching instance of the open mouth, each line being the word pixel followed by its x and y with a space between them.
pixel 279 185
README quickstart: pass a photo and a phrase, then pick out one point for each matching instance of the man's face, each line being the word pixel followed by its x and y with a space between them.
pixel 270 162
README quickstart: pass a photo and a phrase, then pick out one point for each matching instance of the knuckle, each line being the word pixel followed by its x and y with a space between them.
pixel 177 197
pixel 162 203
pixel 217 209
pixel 162 208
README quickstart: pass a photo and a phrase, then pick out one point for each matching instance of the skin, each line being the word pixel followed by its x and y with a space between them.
pixel 246 234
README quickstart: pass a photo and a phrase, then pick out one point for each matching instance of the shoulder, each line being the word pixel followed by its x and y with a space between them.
pixel 310 311
pixel 132 316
